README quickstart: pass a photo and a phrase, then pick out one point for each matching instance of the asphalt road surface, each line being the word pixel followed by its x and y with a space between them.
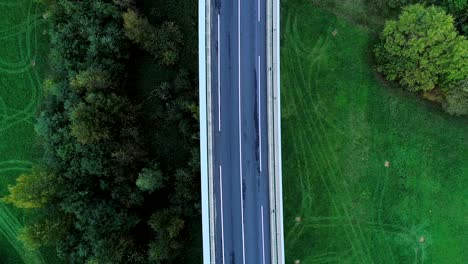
pixel 240 134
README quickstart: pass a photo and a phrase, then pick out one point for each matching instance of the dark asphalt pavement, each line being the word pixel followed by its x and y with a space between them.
pixel 240 134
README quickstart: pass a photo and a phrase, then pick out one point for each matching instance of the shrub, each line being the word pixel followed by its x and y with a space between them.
pixel 457 99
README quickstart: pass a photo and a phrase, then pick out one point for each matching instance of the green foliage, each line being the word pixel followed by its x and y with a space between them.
pixel 150 180
pixel 46 231
pixel 456 8
pixel 124 3
pixel 49 87
pixel 86 34
pixel 167 226
pixel 398 3
pixel 456 101
pixel 185 188
pixel 45 2
pixel 169 95
pixel 102 208
pixel 163 42
pixel 31 190
pixel 422 50
pixel 340 124
pixel 110 251
pixel 167 44
pixel 457 5
pixel 99 143
pixel 91 141
pixel 91 80
pixel 138 29
pixel 95 119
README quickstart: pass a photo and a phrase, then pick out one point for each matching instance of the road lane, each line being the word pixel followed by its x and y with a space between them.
pixel 239 99
pixel 240 146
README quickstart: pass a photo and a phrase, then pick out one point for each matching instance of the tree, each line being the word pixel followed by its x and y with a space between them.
pixel 458 9
pixel 138 29
pixel 167 226
pixel 32 190
pixel 422 50
pixel 98 205
pixel 46 231
pixel 456 5
pixel 91 80
pixel 398 3
pixel 150 179
pixel 124 3
pixel 162 42
pixel 94 119
pixel 169 38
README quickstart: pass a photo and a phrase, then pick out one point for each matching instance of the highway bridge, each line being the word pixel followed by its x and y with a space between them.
pixel 240 131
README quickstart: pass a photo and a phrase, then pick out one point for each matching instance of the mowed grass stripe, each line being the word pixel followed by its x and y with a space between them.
pixel 339 127
pixel 22 64
pixel 10 19
pixel 331 173
pixel 10 230
pixel 28 112
pixel 317 133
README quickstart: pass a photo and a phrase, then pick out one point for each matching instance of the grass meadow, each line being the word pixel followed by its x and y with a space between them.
pixel 23 53
pixel 371 174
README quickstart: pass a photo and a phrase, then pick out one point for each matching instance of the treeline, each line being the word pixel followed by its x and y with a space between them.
pixel 423 51
pixel 112 188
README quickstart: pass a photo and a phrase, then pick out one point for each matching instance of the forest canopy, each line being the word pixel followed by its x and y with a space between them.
pixel 106 192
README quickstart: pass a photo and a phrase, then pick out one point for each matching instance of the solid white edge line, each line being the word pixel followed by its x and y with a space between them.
pixel 259 110
pixel 222 211
pixel 263 237
pixel 240 126
pixel 219 77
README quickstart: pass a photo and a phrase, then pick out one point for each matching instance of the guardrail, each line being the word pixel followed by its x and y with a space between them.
pixel 274 133
pixel 203 50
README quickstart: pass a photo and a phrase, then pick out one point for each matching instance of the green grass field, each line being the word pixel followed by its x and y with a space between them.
pixel 23 53
pixel 341 124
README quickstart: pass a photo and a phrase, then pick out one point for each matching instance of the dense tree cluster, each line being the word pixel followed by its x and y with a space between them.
pixel 103 195
pixel 423 52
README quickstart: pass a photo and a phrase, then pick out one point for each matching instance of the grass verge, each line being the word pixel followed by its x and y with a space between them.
pixel 371 174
